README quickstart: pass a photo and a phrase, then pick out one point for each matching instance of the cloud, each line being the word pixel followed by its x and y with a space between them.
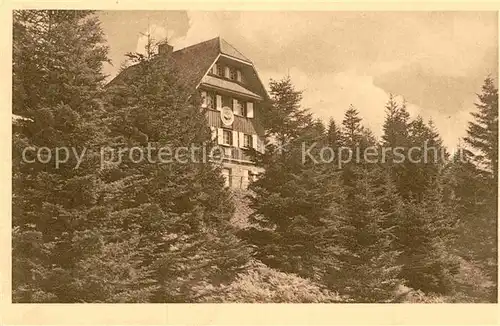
pixel 157 33
pixel 202 26
pixel 330 95
pixel 436 60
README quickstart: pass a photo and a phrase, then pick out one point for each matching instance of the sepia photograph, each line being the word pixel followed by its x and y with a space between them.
pixel 190 156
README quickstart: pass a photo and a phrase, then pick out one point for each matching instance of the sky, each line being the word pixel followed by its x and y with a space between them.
pixel 435 61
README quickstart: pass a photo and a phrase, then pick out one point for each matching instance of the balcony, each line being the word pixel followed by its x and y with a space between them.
pixel 236 154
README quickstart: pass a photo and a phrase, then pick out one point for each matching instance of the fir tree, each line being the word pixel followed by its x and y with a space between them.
pixel 59 253
pixel 294 200
pixel 190 244
pixel 395 128
pixel 56 54
pixel 284 117
pixel 479 202
pixel 424 159
pixel 351 128
pixel 427 263
pixel 473 182
pixel 369 270
pixel 333 136
pixel 482 134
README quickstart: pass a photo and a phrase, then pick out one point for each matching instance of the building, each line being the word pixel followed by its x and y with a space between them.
pixel 231 93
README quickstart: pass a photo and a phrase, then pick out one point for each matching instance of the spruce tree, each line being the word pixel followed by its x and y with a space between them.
pixel 425 223
pixel 428 223
pixel 482 134
pixel 395 128
pixel 62 252
pixel 293 224
pixel 333 134
pixel 351 128
pixel 425 231
pixel 179 203
pixel 284 117
pixel 396 137
pixel 474 185
pixel 369 271
pixel 424 159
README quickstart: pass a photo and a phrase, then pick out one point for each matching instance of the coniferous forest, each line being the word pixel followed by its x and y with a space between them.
pixel 359 231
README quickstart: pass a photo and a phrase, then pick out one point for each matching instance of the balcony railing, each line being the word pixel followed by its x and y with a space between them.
pixel 238 154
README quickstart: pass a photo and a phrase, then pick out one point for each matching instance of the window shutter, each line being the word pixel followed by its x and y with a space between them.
pixel 219 102
pixel 238 75
pixel 249 109
pixel 235 138
pixel 214 69
pixel 227 72
pixel 242 140
pixel 254 141
pixel 203 99
pixel 220 136
pixel 213 130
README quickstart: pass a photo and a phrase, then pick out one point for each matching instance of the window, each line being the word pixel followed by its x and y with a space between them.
pixel 227 137
pixel 236 106
pixel 247 141
pixel 239 107
pixel 210 100
pixel 232 74
pixel 220 70
pixel 243 108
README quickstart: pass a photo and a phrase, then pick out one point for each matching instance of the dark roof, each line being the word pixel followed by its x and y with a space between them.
pixel 188 60
pixel 193 61
pixel 230 50
pixel 214 82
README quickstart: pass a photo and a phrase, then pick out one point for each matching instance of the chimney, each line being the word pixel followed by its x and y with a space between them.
pixel 165 49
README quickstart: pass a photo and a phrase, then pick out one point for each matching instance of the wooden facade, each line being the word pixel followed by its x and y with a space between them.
pixel 226 80
pixel 233 84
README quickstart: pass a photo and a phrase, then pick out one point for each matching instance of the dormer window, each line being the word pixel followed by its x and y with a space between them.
pixel 232 73
pixel 227 72
pixel 217 70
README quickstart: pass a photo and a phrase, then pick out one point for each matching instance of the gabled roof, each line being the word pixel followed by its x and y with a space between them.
pixel 228 49
pixel 193 61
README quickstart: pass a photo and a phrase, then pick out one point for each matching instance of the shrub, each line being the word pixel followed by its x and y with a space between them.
pixel 261 284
